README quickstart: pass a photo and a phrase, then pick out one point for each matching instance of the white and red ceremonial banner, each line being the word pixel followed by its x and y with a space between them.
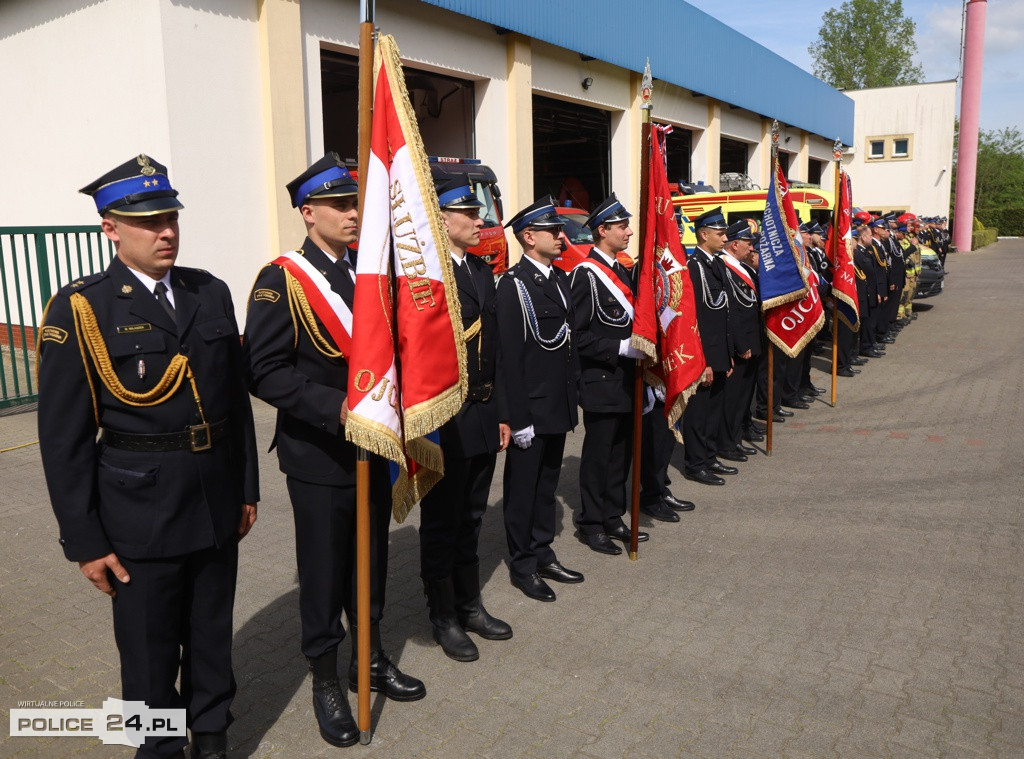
pixel 407 368
pixel 665 317
pixel 793 323
pixel 840 253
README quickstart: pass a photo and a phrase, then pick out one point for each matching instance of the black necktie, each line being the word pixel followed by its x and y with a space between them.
pixel 161 297
pixel 345 267
pixel 623 275
pixel 555 291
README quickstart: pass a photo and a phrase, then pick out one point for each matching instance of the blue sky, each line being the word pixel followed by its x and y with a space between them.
pixel 791 31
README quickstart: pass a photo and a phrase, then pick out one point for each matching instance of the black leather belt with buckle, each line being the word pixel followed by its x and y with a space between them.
pixel 480 392
pixel 198 437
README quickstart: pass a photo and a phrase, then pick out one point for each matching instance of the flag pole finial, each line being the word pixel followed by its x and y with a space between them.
pixel 837 149
pixel 647 87
pixel 775 138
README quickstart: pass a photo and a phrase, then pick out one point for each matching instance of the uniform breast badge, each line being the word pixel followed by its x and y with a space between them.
pixel 142 369
pixel 126 289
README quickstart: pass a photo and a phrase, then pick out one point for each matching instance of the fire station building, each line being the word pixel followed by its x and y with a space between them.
pixel 237 97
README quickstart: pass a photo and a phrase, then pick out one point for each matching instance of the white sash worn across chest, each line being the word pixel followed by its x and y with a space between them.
pixel 328 297
pixel 614 286
pixel 737 268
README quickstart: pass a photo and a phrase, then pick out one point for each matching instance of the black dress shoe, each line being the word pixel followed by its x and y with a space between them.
pixel 792 403
pixel 600 542
pixel 333 714
pixel 870 353
pixel 757 429
pixel 719 468
pixel 858 361
pixel 555 571
pixel 673 502
pixel 753 437
pixel 846 372
pixel 621 532
pixel 813 390
pixel 783 412
pixel 533 586
pixel 888 340
pixel 387 678
pixel 704 477
pixel 747 450
pixel 658 510
pixel 732 455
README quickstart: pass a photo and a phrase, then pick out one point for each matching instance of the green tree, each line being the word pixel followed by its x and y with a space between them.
pixel 866 43
pixel 999 180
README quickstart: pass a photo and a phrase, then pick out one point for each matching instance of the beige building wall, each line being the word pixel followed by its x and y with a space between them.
pixel 228 94
pixel 123 77
pixel 66 119
pixel 920 183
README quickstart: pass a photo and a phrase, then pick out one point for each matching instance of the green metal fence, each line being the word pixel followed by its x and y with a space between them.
pixel 35 262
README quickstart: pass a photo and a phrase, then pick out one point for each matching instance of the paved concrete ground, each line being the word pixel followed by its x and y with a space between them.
pixel 858 594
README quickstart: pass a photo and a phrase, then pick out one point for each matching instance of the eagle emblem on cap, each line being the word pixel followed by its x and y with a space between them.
pixel 146 170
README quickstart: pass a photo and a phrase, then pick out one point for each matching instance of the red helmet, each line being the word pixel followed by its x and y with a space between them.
pixel 906 218
pixel 862 216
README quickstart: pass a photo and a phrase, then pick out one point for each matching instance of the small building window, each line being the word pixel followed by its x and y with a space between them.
pixel 876 149
pixel 902 146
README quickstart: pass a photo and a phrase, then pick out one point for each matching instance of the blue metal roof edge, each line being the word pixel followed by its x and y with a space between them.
pixel 669 32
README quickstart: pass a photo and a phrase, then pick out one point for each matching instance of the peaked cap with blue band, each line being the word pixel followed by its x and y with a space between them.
pixel 739 231
pixel 455 191
pixel 327 178
pixel 880 221
pixel 713 219
pixel 609 211
pixel 138 187
pixel 541 213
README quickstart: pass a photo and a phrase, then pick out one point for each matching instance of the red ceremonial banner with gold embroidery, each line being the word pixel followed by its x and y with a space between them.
pixel 407 369
pixel 665 319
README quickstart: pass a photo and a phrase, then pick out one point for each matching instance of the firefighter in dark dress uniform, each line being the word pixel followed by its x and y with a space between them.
pixel 602 294
pixel 540 372
pixel 865 269
pixel 146 357
pixel 298 366
pixel 703 415
pixel 745 328
pixel 886 282
pixel 452 512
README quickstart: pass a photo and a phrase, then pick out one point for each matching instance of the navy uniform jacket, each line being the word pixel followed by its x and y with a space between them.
pixel 540 386
pixel 713 323
pixel 744 312
pixel 474 429
pixel 866 288
pixel 307 387
pixel 819 261
pixel 144 505
pixel 880 254
pixel 608 378
pixel 898 267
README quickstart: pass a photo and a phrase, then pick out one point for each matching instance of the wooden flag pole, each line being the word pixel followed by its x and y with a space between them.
pixel 834 241
pixel 769 414
pixel 638 382
pixel 366 12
